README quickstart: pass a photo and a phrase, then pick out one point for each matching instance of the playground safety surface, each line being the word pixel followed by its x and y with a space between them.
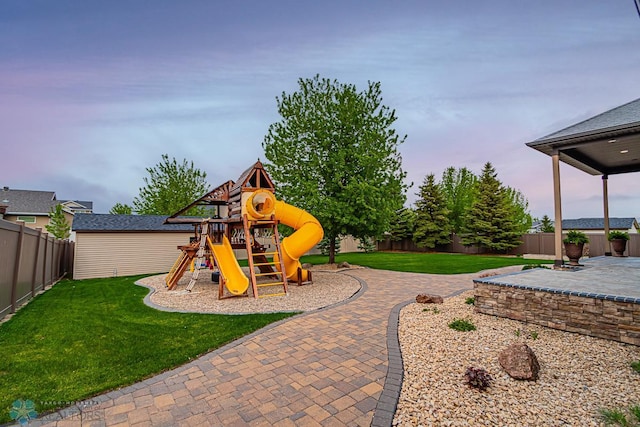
pixel 335 366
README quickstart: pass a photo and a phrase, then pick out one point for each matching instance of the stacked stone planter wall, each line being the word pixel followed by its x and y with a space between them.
pixel 604 316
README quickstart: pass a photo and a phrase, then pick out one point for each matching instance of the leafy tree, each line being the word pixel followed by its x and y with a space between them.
pixel 432 223
pixel 490 221
pixel 121 209
pixel 402 224
pixel 458 187
pixel 335 154
pixel 58 225
pixel 547 225
pixel 170 187
pixel 520 210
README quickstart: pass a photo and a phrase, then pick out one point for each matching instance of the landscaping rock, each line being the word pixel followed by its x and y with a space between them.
pixel 520 362
pixel 429 299
pixel 344 264
pixel 306 265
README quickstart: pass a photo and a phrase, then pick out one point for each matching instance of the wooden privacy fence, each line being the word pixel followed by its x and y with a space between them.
pixel 535 243
pixel 30 260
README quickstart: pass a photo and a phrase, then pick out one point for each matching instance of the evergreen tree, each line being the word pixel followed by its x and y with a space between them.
pixel 547 225
pixel 432 222
pixel 490 221
pixel 58 225
pixel 121 209
pixel 402 224
pixel 335 154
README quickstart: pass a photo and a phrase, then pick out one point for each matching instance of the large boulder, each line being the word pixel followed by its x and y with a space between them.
pixel 429 299
pixel 520 362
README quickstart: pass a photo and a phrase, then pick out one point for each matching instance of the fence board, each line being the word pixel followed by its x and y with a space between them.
pixel 29 260
pixel 535 243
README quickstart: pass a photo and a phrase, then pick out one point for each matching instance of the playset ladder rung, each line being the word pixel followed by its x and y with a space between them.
pixel 266 285
pixel 264 253
pixel 281 294
pixel 268 274
pixel 258 264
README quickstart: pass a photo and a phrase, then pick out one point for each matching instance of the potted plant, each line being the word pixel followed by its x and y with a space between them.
pixel 618 241
pixel 574 245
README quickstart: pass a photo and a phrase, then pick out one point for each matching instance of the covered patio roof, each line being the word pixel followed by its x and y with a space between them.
pixel 606 144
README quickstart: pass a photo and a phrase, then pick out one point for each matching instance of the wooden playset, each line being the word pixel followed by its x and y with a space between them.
pixel 246 217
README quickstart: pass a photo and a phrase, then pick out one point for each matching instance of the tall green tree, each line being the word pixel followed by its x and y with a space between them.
pixel 458 187
pixel 402 224
pixel 520 210
pixel 546 225
pixel 490 221
pixel 335 154
pixel 170 187
pixel 121 209
pixel 432 222
pixel 58 225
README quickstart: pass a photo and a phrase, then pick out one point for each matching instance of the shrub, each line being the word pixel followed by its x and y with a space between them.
pixel 576 237
pixel 636 366
pixel 462 325
pixel 470 301
pixel 477 378
pixel 616 234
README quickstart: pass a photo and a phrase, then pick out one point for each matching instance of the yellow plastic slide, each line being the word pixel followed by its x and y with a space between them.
pixel 308 233
pixel 262 204
pixel 235 279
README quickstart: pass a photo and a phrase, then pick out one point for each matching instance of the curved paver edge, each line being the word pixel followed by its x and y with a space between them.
pixel 388 402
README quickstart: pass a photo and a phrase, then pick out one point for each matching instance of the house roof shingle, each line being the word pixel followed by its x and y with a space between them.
pixel 27 201
pixel 598 223
pixel 619 117
pixel 110 222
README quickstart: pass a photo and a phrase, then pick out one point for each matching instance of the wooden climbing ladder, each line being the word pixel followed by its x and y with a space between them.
pixel 280 278
pixel 200 257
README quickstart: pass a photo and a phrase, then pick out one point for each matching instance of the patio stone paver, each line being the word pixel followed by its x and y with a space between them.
pixel 326 368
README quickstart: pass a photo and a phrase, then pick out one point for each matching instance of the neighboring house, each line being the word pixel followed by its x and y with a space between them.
pixel 30 207
pixel 596 225
pixel 536 227
pixel 123 245
pixel 77 206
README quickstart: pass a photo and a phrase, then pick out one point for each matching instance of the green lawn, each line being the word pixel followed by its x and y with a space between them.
pixel 423 262
pixel 81 338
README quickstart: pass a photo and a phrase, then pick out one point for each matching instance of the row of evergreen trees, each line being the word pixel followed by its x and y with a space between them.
pixel 479 209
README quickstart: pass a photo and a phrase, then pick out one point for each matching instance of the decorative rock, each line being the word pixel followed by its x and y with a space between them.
pixel 520 362
pixel 429 299
pixel 306 265
pixel 344 264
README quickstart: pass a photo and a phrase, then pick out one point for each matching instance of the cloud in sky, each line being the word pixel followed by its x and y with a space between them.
pixel 94 92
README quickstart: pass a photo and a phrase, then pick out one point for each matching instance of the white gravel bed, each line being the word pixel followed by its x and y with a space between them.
pixel 328 288
pixel 578 374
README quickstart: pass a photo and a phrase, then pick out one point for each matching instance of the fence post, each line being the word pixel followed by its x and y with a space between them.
pixel 44 262
pixel 35 264
pixel 16 270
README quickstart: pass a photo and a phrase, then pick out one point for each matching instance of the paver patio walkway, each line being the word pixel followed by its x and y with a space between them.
pixel 322 368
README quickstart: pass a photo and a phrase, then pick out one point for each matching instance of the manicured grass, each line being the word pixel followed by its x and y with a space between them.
pixel 422 262
pixel 81 338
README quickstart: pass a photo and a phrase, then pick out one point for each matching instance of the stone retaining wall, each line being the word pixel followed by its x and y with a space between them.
pixel 603 316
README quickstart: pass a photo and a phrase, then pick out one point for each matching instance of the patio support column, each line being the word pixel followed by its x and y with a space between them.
pixel 605 200
pixel 557 203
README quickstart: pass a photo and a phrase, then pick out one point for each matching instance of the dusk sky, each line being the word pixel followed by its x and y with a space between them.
pixel 94 92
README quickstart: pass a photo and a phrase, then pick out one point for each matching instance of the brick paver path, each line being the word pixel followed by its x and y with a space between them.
pixel 322 368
